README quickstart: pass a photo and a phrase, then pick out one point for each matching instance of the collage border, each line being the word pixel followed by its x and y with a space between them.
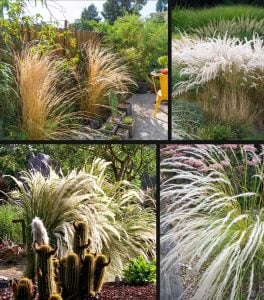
pixel 157 143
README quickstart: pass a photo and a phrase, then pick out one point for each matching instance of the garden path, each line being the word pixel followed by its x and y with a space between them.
pixel 146 126
pixel 11 271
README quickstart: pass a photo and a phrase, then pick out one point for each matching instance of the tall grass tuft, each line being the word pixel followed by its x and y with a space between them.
pixel 118 223
pixel 225 73
pixel 45 110
pixel 240 27
pixel 105 72
pixel 187 19
pixel 214 218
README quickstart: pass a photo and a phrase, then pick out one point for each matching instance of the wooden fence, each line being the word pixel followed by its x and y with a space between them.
pixel 81 36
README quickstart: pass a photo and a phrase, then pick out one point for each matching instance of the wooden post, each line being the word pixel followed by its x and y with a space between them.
pixel 64 39
pixel 23 225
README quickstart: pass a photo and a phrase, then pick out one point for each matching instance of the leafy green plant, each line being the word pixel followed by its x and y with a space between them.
pixel 7 214
pixel 48 40
pixel 140 42
pixel 216 131
pixel 140 271
pixel 113 102
pixel 163 61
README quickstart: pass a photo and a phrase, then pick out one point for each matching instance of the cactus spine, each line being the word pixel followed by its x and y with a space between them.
pixel 24 290
pixel 99 272
pixel 80 242
pixel 86 278
pixel 45 271
pixel 72 274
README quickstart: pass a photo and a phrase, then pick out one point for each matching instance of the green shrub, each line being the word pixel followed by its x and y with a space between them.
pixel 140 271
pixel 163 61
pixel 216 131
pixel 12 231
pixel 140 42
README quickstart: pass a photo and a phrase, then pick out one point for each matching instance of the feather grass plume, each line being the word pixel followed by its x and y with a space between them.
pixel 214 209
pixel 118 224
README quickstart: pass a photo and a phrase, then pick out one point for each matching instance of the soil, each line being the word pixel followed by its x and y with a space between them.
pixel 122 291
pixel 110 291
pixel 12 271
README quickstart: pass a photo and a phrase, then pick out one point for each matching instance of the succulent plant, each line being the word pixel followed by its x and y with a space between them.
pixel 109 126
pixel 72 274
pixel 86 276
pixel 128 120
pixel 81 242
pixel 55 297
pixel 24 290
pixel 99 271
pixel 45 270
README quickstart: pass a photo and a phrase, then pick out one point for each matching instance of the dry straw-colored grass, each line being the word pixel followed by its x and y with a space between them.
pixel 105 72
pixel 45 110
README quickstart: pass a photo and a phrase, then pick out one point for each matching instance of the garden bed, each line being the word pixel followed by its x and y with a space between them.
pixel 111 291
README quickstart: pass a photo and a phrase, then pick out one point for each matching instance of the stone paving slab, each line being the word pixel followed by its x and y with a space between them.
pixel 146 126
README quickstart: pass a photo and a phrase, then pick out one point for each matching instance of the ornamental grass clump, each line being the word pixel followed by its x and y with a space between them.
pixel 224 74
pixel 214 218
pixel 118 223
pixel 45 110
pixel 239 27
pixel 105 73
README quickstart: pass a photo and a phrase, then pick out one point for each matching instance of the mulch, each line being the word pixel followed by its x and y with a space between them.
pixel 122 291
pixel 111 291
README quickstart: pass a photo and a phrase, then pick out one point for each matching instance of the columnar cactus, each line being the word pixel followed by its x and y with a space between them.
pixel 99 272
pixel 24 290
pixel 86 276
pixel 45 271
pixel 61 277
pixel 81 242
pixel 56 264
pixel 72 274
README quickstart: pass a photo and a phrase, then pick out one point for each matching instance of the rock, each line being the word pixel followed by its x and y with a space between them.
pixel 42 163
pixel 118 278
pixel 94 124
pixel 4 283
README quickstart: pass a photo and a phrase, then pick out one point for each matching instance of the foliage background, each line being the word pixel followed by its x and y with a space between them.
pixel 129 162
